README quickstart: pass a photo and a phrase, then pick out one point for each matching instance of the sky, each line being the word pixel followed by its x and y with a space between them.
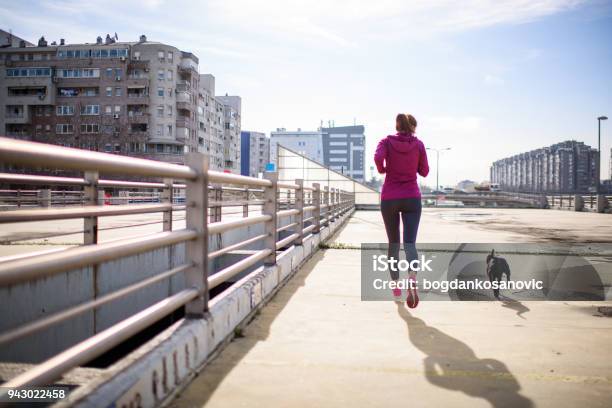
pixel 489 79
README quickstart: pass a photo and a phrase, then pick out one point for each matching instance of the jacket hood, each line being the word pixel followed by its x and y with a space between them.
pixel 402 142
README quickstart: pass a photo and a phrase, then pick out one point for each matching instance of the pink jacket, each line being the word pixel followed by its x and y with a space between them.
pixel 401 157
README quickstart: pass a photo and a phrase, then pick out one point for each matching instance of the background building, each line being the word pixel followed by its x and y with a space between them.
pixel 254 153
pixel 565 167
pixel 308 143
pixel 141 99
pixel 343 150
pixel 210 122
pixel 232 108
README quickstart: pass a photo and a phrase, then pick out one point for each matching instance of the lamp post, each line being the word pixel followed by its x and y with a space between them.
pixel 599 119
pixel 438 163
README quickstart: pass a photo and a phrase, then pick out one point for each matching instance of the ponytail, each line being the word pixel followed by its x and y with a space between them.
pixel 405 123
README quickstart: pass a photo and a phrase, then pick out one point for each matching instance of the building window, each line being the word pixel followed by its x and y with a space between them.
pixel 170 56
pixel 118 91
pixel 170 130
pixel 64 110
pixel 118 73
pixel 160 111
pixel 159 130
pixel 63 128
pixel 108 109
pixel 28 72
pixel 109 72
pixel 117 108
pixel 108 148
pixel 109 91
pixel 79 73
pixel 169 75
pixel 137 55
pixel 169 92
pixel 160 91
pixel 90 91
pixel 161 74
pixel 169 110
pixel 90 128
pixel 90 110
pixel 160 56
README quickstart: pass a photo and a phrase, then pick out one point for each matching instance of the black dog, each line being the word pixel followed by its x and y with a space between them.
pixel 496 268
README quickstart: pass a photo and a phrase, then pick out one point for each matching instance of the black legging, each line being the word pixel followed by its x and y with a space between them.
pixel 410 209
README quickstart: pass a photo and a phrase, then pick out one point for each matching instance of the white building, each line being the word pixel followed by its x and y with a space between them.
pixel 308 143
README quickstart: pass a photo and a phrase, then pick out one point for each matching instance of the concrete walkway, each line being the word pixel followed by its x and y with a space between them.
pixel 316 344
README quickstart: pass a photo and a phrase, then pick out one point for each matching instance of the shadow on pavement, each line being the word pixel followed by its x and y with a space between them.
pixel 453 365
pixel 515 305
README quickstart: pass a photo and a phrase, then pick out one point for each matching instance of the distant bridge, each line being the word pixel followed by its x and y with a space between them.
pixel 575 202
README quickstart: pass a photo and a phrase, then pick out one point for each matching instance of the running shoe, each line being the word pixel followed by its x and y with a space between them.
pixel 412 300
pixel 397 294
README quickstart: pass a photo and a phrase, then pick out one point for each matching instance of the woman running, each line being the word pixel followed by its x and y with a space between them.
pixel 401 157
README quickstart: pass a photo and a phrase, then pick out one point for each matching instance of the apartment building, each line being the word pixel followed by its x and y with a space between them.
pixel 254 153
pixel 139 98
pixel 567 167
pixel 232 109
pixel 341 148
pixel 211 122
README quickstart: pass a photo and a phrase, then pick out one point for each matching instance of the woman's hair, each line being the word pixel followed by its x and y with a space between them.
pixel 405 123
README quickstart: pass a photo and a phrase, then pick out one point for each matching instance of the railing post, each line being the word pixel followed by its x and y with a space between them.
pixel 196 204
pixel 602 203
pixel 316 201
pixel 90 196
pixel 270 208
pixel 578 202
pixel 217 208
pixel 167 197
pixel 245 207
pixel 299 205
pixel 326 202
pixel 44 197
pixel 335 200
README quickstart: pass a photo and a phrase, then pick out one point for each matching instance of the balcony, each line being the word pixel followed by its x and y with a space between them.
pixel 30 95
pixel 183 86
pixel 138 117
pixel 17 115
pixel 183 96
pixel 137 92
pixel 133 81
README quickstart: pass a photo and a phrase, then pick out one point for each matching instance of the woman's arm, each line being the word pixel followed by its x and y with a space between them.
pixel 423 168
pixel 380 155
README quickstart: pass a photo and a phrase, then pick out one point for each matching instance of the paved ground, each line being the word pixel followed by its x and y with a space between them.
pixel 317 344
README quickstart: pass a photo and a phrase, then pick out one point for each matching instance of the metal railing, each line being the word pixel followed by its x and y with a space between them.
pixel 580 202
pixel 310 206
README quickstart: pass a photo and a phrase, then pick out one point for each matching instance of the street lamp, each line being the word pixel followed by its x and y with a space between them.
pixel 438 164
pixel 599 119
